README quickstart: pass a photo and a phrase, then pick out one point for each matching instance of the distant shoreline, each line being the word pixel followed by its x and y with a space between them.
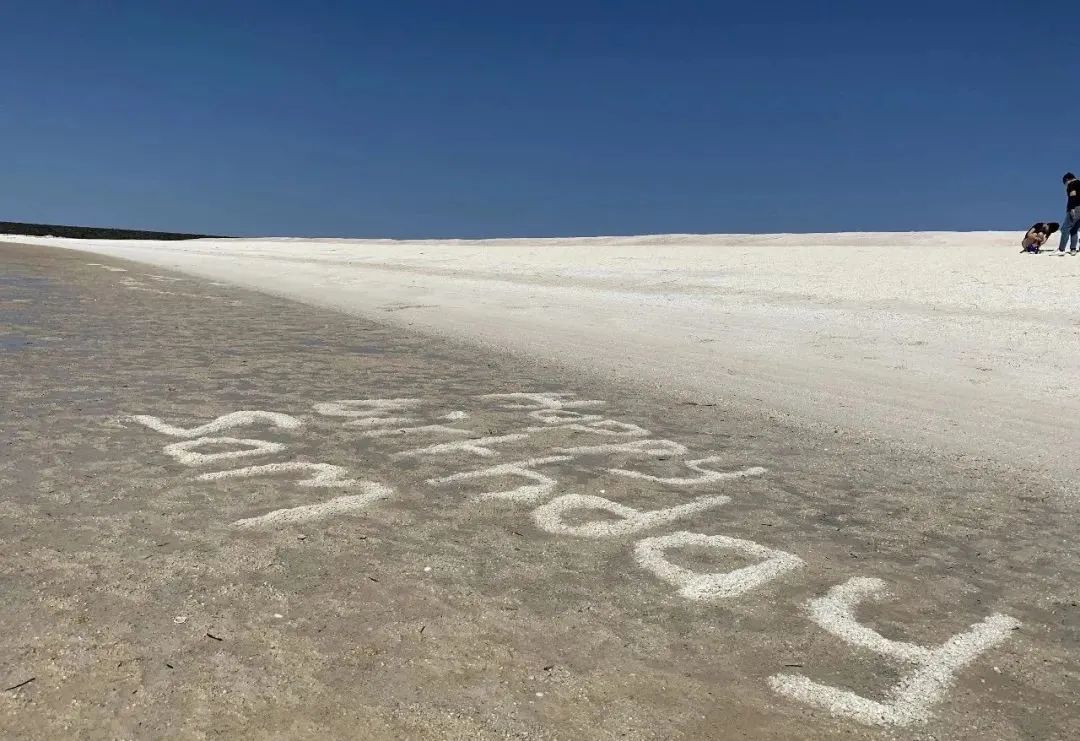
pixel 88 232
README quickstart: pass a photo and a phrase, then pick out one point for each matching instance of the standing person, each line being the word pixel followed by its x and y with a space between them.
pixel 1071 227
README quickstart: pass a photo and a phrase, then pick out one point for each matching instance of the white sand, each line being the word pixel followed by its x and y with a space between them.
pixel 949 340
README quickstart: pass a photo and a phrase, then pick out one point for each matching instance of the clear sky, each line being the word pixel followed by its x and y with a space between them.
pixel 402 118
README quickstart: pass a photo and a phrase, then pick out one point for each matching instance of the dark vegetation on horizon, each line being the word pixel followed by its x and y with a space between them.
pixel 87 232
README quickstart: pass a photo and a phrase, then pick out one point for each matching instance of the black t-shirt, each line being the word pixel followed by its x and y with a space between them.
pixel 1072 188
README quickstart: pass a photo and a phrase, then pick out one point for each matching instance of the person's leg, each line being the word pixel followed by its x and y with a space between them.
pixel 1066 227
pixel 1074 229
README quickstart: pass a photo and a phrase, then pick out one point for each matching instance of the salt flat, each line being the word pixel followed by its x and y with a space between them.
pixel 949 341
pixel 229 513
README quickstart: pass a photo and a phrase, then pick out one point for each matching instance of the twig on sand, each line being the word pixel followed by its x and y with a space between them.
pixel 20 684
pixel 211 635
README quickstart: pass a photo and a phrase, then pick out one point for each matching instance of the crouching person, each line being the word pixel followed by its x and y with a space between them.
pixel 1037 235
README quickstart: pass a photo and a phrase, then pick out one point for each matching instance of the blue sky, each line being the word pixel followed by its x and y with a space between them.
pixel 440 119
